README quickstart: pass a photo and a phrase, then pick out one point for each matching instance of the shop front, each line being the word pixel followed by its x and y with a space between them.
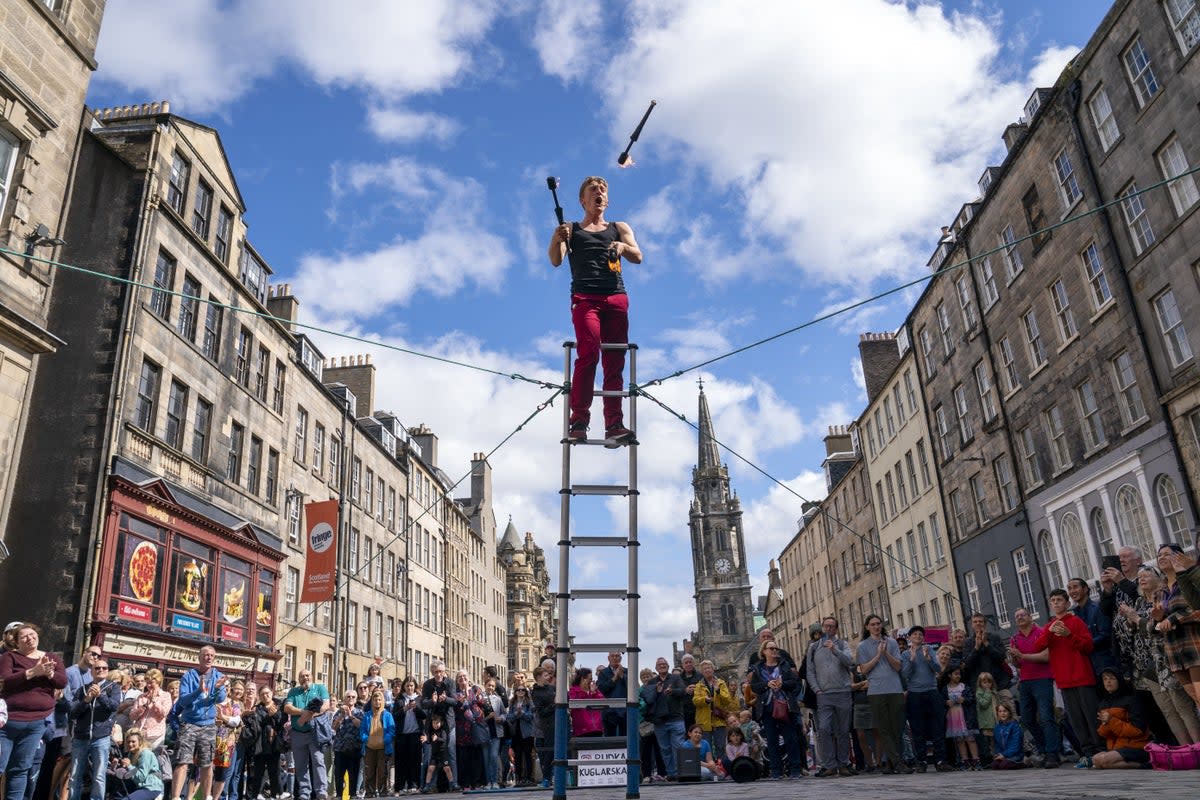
pixel 177 573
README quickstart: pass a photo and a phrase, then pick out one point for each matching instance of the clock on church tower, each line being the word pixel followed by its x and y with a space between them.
pixel 724 607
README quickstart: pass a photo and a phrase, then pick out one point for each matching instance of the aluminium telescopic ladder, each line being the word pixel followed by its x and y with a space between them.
pixel 565 646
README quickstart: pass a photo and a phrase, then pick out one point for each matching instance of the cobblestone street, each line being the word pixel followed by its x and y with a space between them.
pixel 1063 784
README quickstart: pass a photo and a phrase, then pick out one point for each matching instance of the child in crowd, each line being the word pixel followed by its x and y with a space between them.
pixel 736 747
pixel 1008 740
pixel 710 770
pixel 1122 725
pixel 439 754
pixel 961 725
pixel 752 732
pixel 863 722
pixel 985 713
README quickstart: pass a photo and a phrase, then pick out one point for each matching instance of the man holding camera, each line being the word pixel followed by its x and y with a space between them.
pixel 305 701
pixel 830 669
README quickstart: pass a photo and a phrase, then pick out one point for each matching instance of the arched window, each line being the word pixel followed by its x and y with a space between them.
pixel 1132 523
pixel 728 620
pixel 1101 533
pixel 1170 506
pixel 722 538
pixel 1075 552
pixel 1049 560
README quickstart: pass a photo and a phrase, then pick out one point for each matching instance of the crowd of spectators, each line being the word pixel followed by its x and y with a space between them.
pixel 1114 667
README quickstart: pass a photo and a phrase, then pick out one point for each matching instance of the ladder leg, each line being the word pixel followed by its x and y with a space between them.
pixel 562 723
pixel 563 598
pixel 633 649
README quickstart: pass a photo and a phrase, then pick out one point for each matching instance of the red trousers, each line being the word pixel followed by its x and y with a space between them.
pixel 598 318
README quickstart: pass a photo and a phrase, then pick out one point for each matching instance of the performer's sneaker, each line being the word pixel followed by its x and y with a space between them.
pixel 617 435
pixel 577 431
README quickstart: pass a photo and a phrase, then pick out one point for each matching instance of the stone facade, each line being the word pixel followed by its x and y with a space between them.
pixel 851 535
pixel 724 607
pixel 429 636
pixel 46 62
pixel 487 621
pixel 1043 362
pixel 337 447
pixel 530 606
pixel 969 442
pixel 166 399
pixel 804 584
pixel 906 492
pixel 208 430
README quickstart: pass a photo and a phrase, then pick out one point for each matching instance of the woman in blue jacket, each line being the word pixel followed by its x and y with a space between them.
pixel 378 729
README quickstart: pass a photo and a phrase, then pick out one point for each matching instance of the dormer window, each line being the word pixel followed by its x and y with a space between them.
pixel 985 181
pixel 253 274
pixel 310 357
pixel 1033 104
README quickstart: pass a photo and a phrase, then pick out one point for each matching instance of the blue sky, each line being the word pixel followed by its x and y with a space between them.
pixel 803 155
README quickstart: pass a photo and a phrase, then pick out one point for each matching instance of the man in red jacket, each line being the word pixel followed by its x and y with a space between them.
pixel 1070 644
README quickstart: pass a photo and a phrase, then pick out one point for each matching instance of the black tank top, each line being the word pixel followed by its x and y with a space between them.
pixel 590 272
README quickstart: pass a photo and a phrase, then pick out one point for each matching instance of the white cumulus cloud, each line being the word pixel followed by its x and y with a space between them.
pixel 203 54
pixel 843 132
pixel 437 260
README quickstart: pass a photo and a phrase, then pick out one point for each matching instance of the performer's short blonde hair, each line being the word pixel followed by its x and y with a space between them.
pixel 588 181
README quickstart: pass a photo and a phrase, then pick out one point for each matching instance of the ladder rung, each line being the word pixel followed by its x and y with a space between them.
pixel 606 442
pixel 599 489
pixel 606 393
pixel 597 702
pixel 598 647
pixel 598 541
pixel 592 742
pixel 609 346
pixel 599 594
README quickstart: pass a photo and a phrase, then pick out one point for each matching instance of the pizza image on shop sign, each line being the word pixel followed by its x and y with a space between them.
pixel 143 571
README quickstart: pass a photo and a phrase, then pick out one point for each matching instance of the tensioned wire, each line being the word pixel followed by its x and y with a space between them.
pixel 657 381
pixel 940 271
pixel 516 376
pixel 866 540
pixel 439 497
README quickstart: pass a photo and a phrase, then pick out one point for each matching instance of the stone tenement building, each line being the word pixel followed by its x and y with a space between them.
pixel 486 612
pixel 851 536
pixel 907 494
pixel 804 584
pixel 175 481
pixel 1059 388
pixel 1047 363
pixel 47 51
pixel 530 604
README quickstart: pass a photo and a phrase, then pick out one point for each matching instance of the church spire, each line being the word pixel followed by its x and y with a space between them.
pixel 709 456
